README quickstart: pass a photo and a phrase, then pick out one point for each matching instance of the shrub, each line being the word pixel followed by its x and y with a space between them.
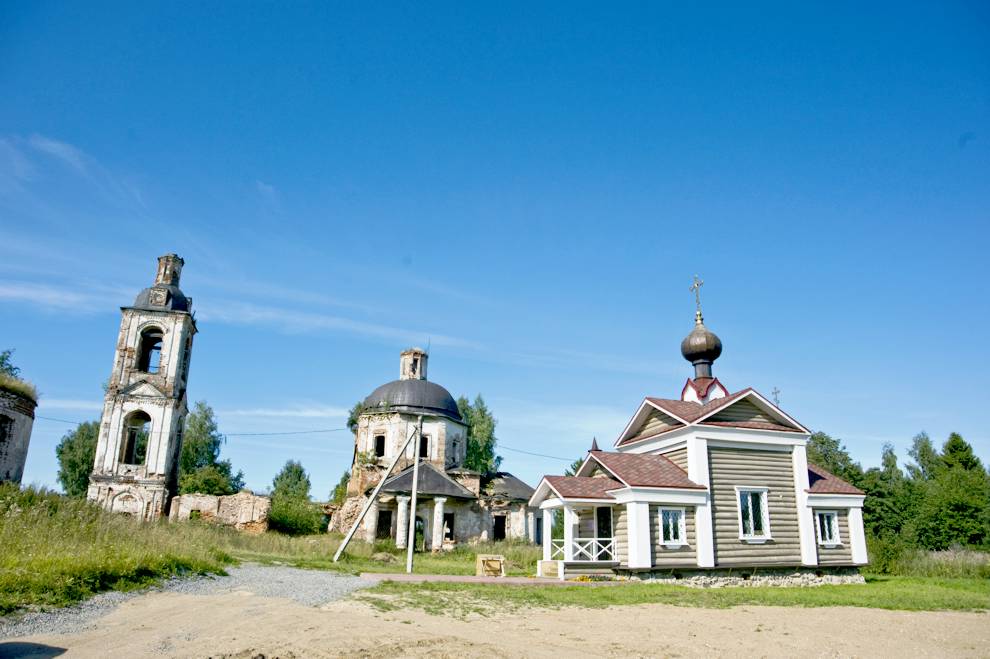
pixel 18 386
pixel 294 516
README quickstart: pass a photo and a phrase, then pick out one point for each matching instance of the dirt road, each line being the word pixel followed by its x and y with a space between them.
pixel 239 623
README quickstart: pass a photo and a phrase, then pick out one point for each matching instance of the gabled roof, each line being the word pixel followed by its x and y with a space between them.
pixel 643 470
pixel 504 485
pixel 583 487
pixel 431 481
pixel 715 413
pixel 825 482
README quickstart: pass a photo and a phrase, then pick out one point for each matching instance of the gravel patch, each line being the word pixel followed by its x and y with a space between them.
pixel 308 587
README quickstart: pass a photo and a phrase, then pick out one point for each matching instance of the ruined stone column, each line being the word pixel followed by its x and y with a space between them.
pixel 438 523
pixel 530 525
pixel 402 522
pixel 371 523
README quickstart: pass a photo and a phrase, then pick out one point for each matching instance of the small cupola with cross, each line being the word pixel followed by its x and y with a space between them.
pixel 701 347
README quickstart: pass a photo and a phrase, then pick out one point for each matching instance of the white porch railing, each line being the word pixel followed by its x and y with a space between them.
pixel 585 549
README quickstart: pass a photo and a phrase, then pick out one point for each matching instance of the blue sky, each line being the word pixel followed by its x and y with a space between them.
pixel 528 188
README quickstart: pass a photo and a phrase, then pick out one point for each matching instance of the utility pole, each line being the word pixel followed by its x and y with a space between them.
pixel 411 544
pixel 374 495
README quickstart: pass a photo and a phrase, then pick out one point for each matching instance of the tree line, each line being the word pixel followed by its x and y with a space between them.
pixel 941 499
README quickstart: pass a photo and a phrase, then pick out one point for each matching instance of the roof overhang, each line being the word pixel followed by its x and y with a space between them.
pixel 836 500
pixel 671 495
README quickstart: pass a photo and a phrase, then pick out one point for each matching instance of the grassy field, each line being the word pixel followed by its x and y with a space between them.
pixel 903 593
pixel 55 551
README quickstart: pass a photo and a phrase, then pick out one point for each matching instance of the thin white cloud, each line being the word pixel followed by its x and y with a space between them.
pixel 269 195
pixel 46 296
pixel 297 322
pixel 13 163
pixel 295 411
pixel 70 404
pixel 63 151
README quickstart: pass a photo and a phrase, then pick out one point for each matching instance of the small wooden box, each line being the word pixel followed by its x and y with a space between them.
pixel 489 565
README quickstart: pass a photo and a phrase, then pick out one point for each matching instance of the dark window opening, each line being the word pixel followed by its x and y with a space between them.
pixel 379 446
pixel 603 522
pixel 415 365
pixel 383 531
pixel 499 531
pixel 136 432
pixel 6 428
pixel 186 356
pixel 538 532
pixel 448 526
pixel 150 355
pixel 424 446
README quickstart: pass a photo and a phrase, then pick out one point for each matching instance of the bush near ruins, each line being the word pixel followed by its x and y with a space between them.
pixel 292 512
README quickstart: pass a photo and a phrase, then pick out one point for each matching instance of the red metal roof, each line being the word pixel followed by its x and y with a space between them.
pixel 641 470
pixel 583 487
pixel 825 482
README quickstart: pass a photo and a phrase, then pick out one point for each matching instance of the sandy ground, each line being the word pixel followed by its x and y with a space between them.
pixel 242 624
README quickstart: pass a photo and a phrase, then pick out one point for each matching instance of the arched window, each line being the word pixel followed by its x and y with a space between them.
pixel 424 447
pixel 137 427
pixel 150 350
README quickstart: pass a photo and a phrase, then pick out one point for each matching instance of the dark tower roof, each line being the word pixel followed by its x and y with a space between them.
pixel 414 397
pixel 701 347
pixel 165 294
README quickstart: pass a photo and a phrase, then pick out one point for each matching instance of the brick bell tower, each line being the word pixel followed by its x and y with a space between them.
pixel 137 454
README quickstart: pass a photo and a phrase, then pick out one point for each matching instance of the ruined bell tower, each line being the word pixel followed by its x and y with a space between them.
pixel 137 454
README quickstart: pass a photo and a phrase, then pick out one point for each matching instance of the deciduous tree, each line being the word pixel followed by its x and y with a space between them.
pixel 76 453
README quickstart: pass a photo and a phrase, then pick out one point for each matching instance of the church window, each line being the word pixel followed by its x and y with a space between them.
pixel 186 354
pixel 415 366
pixel 150 350
pixel 754 518
pixel 424 447
pixel 136 431
pixel 827 523
pixel 379 446
pixel 672 532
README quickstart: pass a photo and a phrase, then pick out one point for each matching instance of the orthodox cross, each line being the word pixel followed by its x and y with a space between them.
pixel 696 289
pixel 776 396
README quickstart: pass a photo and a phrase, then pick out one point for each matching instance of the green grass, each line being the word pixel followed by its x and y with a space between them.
pixel 55 551
pixel 903 593
pixel 18 386
pixel 317 552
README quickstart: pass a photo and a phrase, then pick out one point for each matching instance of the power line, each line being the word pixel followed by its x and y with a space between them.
pixel 48 418
pixel 539 455
pixel 294 432
pixel 322 430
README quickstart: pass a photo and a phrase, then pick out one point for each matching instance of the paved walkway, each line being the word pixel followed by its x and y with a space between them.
pixel 463 578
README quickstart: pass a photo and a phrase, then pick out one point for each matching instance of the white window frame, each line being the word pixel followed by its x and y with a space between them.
pixel 765 509
pixel 681 527
pixel 837 541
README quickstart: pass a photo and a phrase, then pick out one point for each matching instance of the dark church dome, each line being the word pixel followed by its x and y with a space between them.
pixel 701 346
pixel 162 298
pixel 414 397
